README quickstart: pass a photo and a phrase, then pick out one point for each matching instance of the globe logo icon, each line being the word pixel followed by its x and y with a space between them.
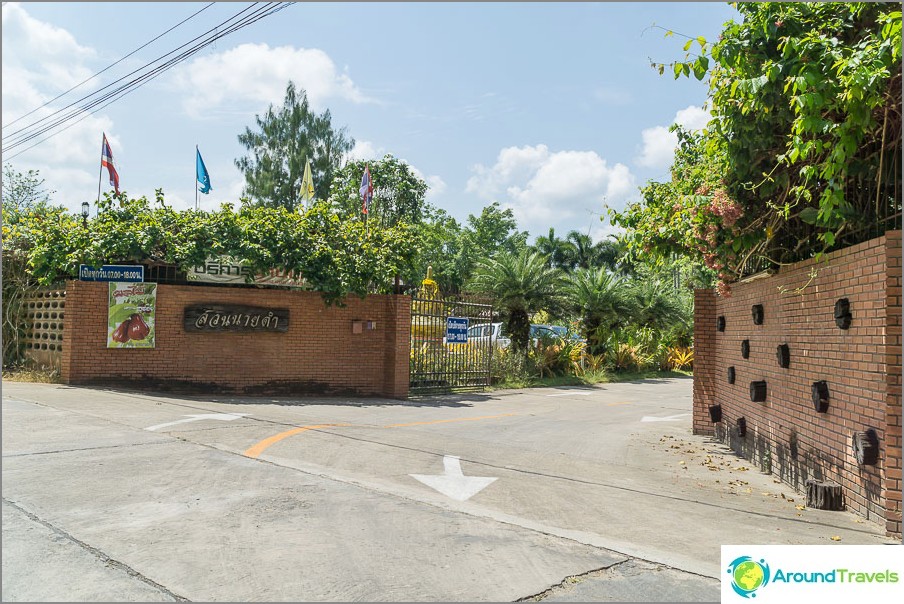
pixel 748 575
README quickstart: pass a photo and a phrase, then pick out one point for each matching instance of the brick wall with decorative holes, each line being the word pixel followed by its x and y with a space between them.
pixel 861 365
pixel 327 350
pixel 45 311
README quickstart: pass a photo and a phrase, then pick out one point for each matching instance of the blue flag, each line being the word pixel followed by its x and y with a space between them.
pixel 203 176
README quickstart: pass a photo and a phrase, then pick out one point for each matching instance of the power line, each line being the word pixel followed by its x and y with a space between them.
pixel 33 131
pixel 85 81
pixel 23 134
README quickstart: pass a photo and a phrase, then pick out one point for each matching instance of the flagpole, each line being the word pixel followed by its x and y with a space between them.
pixel 100 173
pixel 196 176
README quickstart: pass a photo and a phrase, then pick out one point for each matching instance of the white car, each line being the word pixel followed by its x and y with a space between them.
pixel 495 334
pixel 488 332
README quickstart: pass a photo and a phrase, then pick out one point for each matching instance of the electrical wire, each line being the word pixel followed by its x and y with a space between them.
pixel 85 81
pixel 24 133
pixel 32 131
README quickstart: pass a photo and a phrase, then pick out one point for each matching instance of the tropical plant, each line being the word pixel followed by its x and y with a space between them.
pixel 284 139
pixel 603 303
pixel 554 248
pixel 588 364
pixel 521 284
pixel 580 251
pixel 658 306
pixel 799 155
pixel 680 358
pixel 494 231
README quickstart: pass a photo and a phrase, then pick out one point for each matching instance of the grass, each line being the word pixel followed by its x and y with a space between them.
pixel 41 375
pixel 599 377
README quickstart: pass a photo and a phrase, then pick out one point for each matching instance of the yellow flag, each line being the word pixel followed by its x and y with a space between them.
pixel 307 186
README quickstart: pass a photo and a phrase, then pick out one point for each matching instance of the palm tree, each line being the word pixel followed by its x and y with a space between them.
pixel 609 253
pixel 555 249
pixel 521 284
pixel 581 252
pixel 603 302
pixel 658 306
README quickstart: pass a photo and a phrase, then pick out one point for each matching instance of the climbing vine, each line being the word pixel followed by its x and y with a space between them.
pixel 802 152
pixel 332 255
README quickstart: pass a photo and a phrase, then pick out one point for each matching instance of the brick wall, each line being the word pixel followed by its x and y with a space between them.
pixel 319 354
pixel 862 366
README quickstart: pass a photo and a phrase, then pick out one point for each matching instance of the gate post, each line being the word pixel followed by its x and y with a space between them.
pixel 397 346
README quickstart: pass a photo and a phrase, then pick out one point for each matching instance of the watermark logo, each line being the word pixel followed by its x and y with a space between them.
pixel 748 575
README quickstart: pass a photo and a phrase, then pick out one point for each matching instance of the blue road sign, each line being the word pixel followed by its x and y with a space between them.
pixel 456 330
pixel 111 272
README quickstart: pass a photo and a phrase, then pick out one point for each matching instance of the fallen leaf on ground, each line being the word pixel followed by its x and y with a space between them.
pixel 835 538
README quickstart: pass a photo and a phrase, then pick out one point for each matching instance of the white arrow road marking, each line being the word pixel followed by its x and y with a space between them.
pixel 223 417
pixel 571 392
pixel 671 418
pixel 452 482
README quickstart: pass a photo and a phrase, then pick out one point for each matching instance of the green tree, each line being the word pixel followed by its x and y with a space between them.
pixel 23 192
pixel 581 251
pixel 331 255
pixel 399 194
pixel 603 303
pixel 521 284
pixel 611 253
pixel 554 248
pixel 799 155
pixel 658 306
pixel 26 204
pixel 439 245
pixel 283 140
pixel 494 231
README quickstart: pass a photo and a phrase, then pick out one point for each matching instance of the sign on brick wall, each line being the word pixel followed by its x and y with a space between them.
pixel 235 317
pixel 131 315
pixel 111 272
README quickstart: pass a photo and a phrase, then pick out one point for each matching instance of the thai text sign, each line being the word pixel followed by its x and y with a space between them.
pixel 456 330
pixel 111 272
pixel 227 269
pixel 234 317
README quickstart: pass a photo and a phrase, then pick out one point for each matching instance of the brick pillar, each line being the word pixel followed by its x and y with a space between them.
pixel 704 359
pixel 891 481
pixel 84 327
pixel 398 345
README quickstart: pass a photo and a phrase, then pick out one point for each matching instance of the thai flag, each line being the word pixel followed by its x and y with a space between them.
pixel 106 161
pixel 366 190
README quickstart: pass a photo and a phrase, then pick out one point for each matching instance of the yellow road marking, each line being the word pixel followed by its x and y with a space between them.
pixel 259 448
pixel 613 404
pixel 255 451
pixel 446 421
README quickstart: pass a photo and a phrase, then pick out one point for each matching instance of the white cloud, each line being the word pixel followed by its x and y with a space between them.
pixel 40 61
pixel 368 151
pixel 436 186
pixel 365 151
pixel 257 75
pixel 692 118
pixel 659 144
pixel 658 147
pixel 565 189
pixel 28 42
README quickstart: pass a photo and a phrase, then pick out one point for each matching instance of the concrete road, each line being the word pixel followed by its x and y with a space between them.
pixel 568 494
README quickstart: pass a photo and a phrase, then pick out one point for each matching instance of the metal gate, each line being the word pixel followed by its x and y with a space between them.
pixel 441 366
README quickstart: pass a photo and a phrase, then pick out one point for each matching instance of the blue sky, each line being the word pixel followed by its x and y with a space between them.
pixel 551 109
